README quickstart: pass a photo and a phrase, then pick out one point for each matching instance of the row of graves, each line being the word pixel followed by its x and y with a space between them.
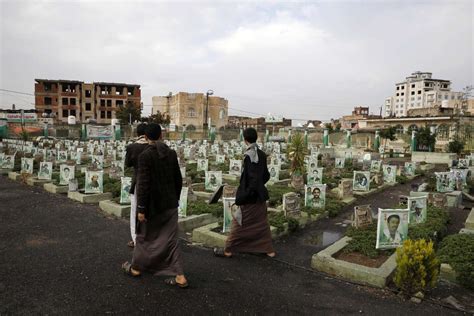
pixel 367 253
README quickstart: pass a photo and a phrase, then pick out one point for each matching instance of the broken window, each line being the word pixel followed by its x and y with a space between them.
pixel 413 93
pixel 102 102
pixel 119 90
pixel 130 91
pixel 88 107
pixel 48 101
pixel 65 101
pixel 109 114
pixel 88 93
pixel 109 103
pixel 102 114
pixel 73 101
pixel 47 86
pixel 65 113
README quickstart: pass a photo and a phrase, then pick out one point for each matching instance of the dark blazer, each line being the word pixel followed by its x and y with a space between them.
pixel 131 160
pixel 252 181
pixel 159 180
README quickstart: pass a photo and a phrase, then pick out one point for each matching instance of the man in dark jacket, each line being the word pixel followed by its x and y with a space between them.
pixel 158 190
pixel 131 161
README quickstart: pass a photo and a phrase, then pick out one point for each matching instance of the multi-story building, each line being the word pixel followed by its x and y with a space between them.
pixel 259 123
pixel 189 109
pixel 352 121
pixel 420 90
pixel 98 101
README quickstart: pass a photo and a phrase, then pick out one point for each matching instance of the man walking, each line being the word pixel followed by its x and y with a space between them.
pixel 131 160
pixel 158 190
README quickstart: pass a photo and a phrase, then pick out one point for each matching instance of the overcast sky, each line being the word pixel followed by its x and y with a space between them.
pixel 301 60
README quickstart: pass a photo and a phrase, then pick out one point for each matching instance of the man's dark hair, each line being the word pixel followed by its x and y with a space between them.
pixel 141 128
pixel 153 131
pixel 250 135
pixel 393 216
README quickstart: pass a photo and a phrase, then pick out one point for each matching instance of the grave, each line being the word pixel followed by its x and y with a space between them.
pixel 454 199
pixel 113 208
pixel 53 188
pixel 36 182
pixel 92 198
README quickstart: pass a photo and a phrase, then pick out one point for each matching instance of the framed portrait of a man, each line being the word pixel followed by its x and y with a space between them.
pixel 312 163
pixel 213 180
pixel 94 181
pixel 97 162
pixel 389 173
pixel 315 176
pixel 202 164
pixel 340 162
pixel 392 228
pixel 361 181
pixel 66 173
pixel 459 177
pixel 227 222
pixel 463 163
pixel 274 171
pixel 8 162
pixel 444 182
pixel 418 209
pixel 410 168
pixel 220 159
pixel 125 185
pixel 183 202
pixel 235 167
pixel 27 165
pixel 315 195
pixel 62 156
pixel 45 170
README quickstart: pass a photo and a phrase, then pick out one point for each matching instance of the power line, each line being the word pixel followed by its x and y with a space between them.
pixel 17 92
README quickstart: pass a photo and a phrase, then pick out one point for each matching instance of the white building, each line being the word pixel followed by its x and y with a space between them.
pixel 421 91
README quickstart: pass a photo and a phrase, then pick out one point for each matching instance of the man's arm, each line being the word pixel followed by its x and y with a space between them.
pixel 143 188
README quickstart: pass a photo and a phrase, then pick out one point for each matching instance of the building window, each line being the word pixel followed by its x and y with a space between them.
pixel 65 101
pixel 119 103
pixel 88 93
pixel 109 114
pixel 412 98
pixel 398 88
pixel 109 103
pixel 413 93
pixel 419 91
pixel 446 97
pixel 102 114
pixel 48 101
pixel 72 112
pixel 403 93
pixel 412 85
pixel 130 91
pixel 102 102
pixel 403 87
pixel 88 107
pixel 73 101
pixel 191 112
pixel 398 94
pixel 65 113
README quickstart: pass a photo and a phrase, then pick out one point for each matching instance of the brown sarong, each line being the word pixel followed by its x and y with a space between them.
pixel 254 235
pixel 156 249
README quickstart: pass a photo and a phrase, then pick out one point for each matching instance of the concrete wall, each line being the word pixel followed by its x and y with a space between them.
pixel 441 158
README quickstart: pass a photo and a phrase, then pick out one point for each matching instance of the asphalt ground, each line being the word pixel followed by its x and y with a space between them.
pixel 58 256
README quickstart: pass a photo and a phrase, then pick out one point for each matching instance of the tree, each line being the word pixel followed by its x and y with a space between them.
pixel 296 153
pixel 124 111
pixel 424 139
pixel 388 133
pixel 329 127
pixel 455 146
pixel 338 127
pixel 158 118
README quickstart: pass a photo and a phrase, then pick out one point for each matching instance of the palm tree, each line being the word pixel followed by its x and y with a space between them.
pixel 296 153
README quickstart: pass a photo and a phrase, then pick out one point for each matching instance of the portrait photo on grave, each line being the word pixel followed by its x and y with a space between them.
pixel 392 228
pixel 418 209
pixel 213 180
pixel 227 221
pixel 27 165
pixel 45 170
pixel 274 171
pixel 340 162
pixel 94 182
pixel 410 168
pixel 389 173
pixel 315 176
pixel 8 162
pixel 235 167
pixel 66 173
pixel 202 164
pixel 125 185
pixel 315 196
pixel 444 182
pixel 183 202
pixel 361 181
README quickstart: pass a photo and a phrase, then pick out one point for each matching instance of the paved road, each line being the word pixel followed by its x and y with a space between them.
pixel 60 257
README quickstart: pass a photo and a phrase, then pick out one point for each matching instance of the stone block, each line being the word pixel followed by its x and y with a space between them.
pixel 466 231
pixel 203 194
pixel 447 273
pixel 113 208
pixel 433 157
pixel 14 175
pixel 325 262
pixel 36 182
pixel 470 220
pixel 188 223
pixel 89 198
pixel 204 235
pixel 454 199
pixel 427 167
pixel 5 172
pixel 230 177
pixel 53 188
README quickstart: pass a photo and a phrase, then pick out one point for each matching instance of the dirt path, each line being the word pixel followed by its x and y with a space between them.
pixel 61 257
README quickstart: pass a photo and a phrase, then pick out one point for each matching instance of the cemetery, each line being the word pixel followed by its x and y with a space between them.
pixel 309 182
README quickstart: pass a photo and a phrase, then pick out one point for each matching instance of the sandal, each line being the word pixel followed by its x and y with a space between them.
pixel 220 252
pixel 131 244
pixel 172 282
pixel 127 269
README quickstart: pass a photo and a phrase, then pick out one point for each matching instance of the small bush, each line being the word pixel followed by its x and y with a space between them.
pixel 333 207
pixel 417 266
pixel 276 194
pixel 433 229
pixel 363 241
pixel 201 207
pixel 278 220
pixel 402 179
pixel 458 251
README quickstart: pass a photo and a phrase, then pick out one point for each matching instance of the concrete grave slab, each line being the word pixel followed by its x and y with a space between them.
pixel 89 198
pixel 36 182
pixel 188 223
pixel 53 188
pixel 113 208
pixel 14 175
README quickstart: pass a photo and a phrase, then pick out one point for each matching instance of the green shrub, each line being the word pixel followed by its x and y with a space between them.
pixel 276 192
pixel 284 174
pixel 201 207
pixel 363 241
pixel 434 228
pixel 278 220
pixel 458 251
pixel 402 179
pixel 333 207
pixel 112 185
pixel 417 266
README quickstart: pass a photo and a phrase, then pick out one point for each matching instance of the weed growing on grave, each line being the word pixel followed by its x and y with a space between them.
pixel 202 207
pixel 417 266
pixel 276 194
pixel 402 179
pixel 458 251
pixel 333 207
